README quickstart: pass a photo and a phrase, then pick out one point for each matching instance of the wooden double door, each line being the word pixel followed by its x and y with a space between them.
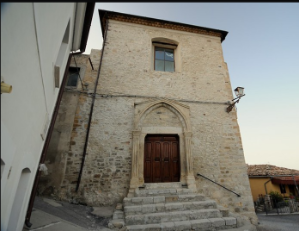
pixel 161 161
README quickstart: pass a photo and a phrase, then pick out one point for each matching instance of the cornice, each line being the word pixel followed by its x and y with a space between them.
pixel 159 24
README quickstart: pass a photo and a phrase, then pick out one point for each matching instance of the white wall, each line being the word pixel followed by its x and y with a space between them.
pixel 31 36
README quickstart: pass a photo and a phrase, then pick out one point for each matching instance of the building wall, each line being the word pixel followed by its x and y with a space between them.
pixel 29 52
pixel 258 187
pixel 64 155
pixel 127 79
pixel 200 81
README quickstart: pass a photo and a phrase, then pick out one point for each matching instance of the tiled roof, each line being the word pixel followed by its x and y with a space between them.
pixel 269 170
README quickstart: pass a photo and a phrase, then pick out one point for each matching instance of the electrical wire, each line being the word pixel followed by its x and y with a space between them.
pixel 110 94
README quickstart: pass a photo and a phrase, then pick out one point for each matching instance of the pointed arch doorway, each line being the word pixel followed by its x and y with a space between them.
pixel 161 158
pixel 146 122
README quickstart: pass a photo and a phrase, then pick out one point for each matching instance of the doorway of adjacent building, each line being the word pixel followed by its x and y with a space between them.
pixel 161 159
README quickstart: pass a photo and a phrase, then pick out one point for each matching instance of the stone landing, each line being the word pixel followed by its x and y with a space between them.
pixel 169 206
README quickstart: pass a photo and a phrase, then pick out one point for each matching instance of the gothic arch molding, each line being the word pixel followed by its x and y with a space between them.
pixel 140 131
pixel 176 108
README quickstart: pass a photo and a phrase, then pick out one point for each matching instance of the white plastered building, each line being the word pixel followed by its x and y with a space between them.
pixel 37 41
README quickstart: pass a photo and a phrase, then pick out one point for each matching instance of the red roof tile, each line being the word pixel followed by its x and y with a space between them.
pixel 269 170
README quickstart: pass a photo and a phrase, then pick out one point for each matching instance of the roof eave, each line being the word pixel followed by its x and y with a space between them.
pixel 87 24
pixel 103 12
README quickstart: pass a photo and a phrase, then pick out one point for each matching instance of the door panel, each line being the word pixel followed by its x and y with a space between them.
pixel 147 163
pixel 175 162
pixel 166 171
pixel 161 159
pixel 156 164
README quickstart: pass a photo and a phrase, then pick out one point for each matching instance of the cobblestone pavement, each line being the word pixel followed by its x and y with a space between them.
pixel 282 222
pixel 75 213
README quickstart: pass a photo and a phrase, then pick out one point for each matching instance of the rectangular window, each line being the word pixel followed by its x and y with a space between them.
pixel 73 76
pixel 282 188
pixel 164 59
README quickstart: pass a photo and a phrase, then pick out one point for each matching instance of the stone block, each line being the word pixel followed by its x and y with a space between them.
pixel 217 222
pixel 148 208
pixel 160 207
pixel 147 200
pixel 201 224
pixel 229 221
pixel 118 215
pixel 134 219
pixel 119 206
pixel 168 226
pixel 137 200
pixel 203 214
pixel 224 212
pixel 158 199
pixel 188 205
pixel 186 197
pixel 177 216
pixel 136 228
pixel 156 218
pixel 164 191
pixel 104 211
pixel 117 223
pixel 182 225
pixel 133 209
pixel 171 198
pixel 172 191
pixel 173 206
pixel 153 227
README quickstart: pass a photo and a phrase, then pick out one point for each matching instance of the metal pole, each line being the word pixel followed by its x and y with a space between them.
pixel 266 208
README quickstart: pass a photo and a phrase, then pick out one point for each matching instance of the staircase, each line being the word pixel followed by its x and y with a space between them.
pixel 170 206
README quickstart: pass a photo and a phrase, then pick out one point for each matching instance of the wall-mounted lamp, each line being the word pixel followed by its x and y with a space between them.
pixel 239 92
pixel 5 88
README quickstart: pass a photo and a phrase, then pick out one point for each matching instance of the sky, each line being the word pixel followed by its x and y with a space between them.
pixel 262 54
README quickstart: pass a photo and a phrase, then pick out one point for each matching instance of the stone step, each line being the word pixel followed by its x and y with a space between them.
pixel 163 185
pixel 199 224
pixel 176 216
pixel 128 201
pixel 168 207
pixel 162 192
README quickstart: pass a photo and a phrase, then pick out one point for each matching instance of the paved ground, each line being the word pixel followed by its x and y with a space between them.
pixel 283 222
pixel 51 215
pixel 54 215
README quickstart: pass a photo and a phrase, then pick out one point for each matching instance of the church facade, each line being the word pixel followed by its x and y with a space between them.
pixel 159 116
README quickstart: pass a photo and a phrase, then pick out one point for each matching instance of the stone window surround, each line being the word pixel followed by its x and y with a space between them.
pixel 162 42
pixel 139 133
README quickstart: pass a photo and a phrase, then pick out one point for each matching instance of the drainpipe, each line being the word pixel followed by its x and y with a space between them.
pixel 266 185
pixel 91 111
pixel 266 194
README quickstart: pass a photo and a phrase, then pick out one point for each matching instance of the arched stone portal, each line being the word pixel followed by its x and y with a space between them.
pixel 161 117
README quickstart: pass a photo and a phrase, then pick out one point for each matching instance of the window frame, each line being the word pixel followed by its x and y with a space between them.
pixel 164 46
pixel 71 73
pixel 282 188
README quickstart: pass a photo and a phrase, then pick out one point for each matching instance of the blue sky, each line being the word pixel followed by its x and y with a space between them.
pixel 262 54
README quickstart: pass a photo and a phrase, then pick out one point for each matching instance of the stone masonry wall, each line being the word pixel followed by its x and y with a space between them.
pixel 201 77
pixel 162 117
pixel 64 155
pixel 200 81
